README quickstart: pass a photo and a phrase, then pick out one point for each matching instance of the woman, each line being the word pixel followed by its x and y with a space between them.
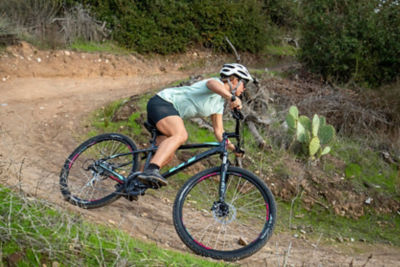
pixel 167 109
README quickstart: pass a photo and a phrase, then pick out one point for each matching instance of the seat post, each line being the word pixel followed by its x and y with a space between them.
pixel 154 135
pixel 153 131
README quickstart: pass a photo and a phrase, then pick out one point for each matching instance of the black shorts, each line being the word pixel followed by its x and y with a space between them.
pixel 158 108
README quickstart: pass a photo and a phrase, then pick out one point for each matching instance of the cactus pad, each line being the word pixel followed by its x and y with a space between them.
pixel 326 134
pixel 301 133
pixel 305 121
pixel 326 150
pixel 294 112
pixel 291 121
pixel 314 146
pixel 315 125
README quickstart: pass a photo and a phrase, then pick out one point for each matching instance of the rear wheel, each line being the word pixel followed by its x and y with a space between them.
pixel 231 229
pixel 84 180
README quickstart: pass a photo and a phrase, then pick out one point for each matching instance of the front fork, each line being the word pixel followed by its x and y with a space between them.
pixel 224 170
pixel 220 208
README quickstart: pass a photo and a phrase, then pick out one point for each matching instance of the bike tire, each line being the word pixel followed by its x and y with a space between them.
pixel 88 188
pixel 241 232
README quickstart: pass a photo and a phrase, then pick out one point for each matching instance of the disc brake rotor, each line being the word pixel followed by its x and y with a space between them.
pixel 224 213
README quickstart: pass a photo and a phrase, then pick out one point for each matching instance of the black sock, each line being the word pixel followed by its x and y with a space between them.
pixel 153 166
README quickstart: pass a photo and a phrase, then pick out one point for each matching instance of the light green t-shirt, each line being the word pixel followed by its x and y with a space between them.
pixel 195 100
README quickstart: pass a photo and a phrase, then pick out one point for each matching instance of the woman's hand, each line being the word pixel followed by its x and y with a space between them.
pixel 232 147
pixel 219 129
pixel 237 103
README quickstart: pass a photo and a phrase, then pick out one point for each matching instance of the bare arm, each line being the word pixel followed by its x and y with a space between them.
pixel 220 89
pixel 219 129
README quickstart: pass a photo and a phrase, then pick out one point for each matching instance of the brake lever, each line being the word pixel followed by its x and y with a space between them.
pixel 237 114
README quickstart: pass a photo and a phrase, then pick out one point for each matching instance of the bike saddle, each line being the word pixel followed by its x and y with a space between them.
pixel 153 130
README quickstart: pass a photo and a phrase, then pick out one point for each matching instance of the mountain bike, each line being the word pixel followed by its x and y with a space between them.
pixel 224 212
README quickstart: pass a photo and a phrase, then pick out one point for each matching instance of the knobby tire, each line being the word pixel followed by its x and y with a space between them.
pixel 234 230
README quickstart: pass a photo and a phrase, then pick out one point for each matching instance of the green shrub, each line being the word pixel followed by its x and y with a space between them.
pixel 155 26
pixel 242 21
pixel 283 13
pixel 172 26
pixel 352 40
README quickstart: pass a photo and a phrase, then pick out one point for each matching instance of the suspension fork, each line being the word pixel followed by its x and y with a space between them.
pixel 224 170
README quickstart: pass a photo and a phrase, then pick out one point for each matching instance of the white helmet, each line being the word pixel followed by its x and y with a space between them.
pixel 236 69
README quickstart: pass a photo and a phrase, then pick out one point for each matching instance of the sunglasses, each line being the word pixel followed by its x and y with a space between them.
pixel 245 82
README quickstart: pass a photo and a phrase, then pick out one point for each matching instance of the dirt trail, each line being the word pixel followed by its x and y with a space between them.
pixel 40 114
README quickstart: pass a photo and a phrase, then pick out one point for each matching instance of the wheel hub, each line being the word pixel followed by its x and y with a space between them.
pixel 223 212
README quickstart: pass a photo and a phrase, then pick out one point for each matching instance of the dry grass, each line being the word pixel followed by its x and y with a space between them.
pixel 78 24
pixel 47 22
pixel 34 232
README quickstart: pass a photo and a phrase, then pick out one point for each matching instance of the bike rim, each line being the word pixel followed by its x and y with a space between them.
pixel 88 186
pixel 233 225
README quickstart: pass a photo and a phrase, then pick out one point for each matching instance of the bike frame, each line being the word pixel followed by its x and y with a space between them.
pixel 216 148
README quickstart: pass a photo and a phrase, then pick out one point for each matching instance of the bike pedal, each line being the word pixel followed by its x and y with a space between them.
pixel 133 194
pixel 152 184
pixel 131 197
pixel 155 184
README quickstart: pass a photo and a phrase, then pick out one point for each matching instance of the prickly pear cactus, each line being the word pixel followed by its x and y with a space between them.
pixel 314 146
pixel 291 121
pixel 314 135
pixel 301 133
pixel 326 134
pixel 306 122
pixel 326 150
pixel 322 121
pixel 294 112
pixel 315 125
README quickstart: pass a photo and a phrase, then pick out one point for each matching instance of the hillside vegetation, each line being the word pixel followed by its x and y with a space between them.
pixel 344 41
pixel 36 233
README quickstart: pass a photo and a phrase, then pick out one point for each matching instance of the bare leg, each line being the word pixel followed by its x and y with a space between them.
pixel 175 135
pixel 160 139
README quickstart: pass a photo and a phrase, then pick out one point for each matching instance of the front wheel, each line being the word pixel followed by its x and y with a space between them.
pixel 85 179
pixel 231 229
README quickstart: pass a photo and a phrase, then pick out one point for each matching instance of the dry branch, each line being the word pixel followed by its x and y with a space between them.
pixel 202 124
pixel 253 129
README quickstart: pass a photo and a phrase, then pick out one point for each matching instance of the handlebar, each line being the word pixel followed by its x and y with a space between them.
pixel 238 115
